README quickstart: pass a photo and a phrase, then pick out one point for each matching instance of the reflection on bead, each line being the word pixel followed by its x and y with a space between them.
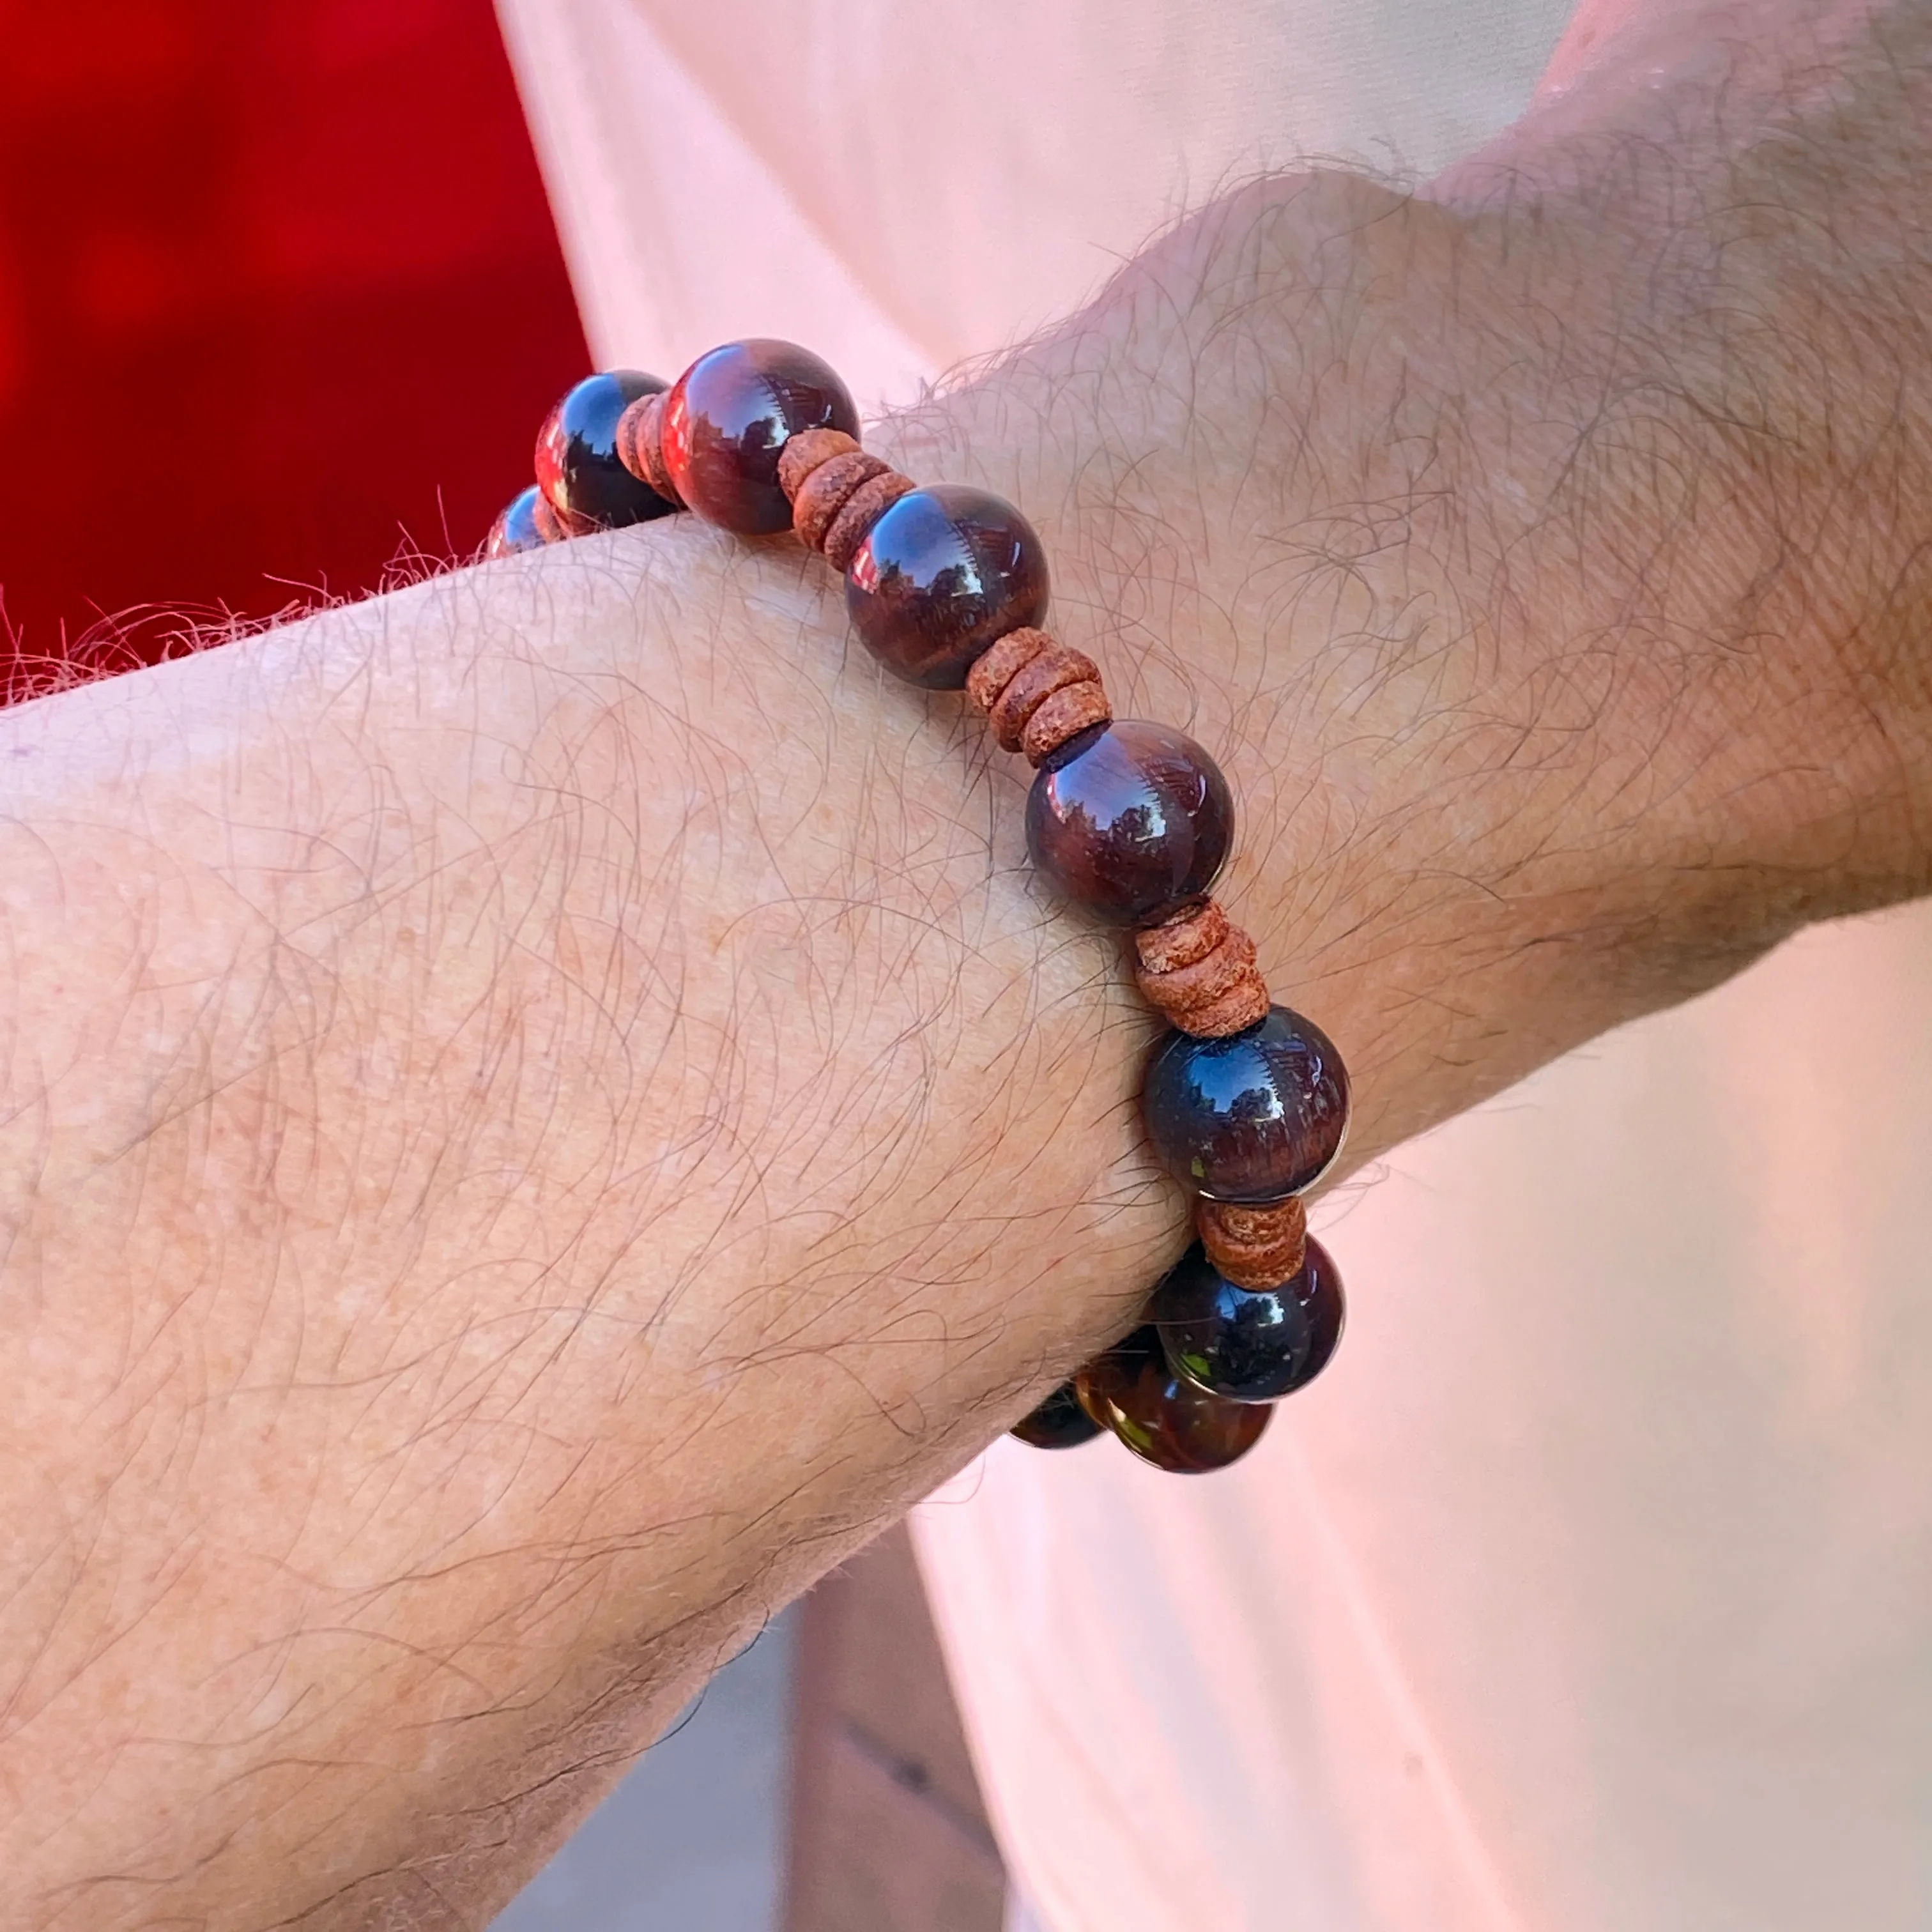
pixel 1256 1116
pixel 1249 1345
pixel 728 417
pixel 1130 821
pixel 942 573
pixel 578 467
pixel 1058 1422
pixel 523 524
pixel 1162 1417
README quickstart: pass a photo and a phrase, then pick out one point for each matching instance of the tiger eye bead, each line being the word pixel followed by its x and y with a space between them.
pixel 1249 1345
pixel 1130 821
pixel 728 418
pixel 520 525
pixel 942 573
pixel 1253 1117
pixel 1058 1422
pixel 578 468
pixel 1162 1417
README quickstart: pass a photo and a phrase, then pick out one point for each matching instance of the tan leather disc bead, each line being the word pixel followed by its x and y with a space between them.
pixel 1198 972
pixel 639 442
pixel 810 449
pixel 1037 692
pixel 862 510
pixel 1254 1247
pixel 825 491
pixel 1244 1004
pixel 1063 715
pixel 1184 940
pixel 1043 674
pixel 993 669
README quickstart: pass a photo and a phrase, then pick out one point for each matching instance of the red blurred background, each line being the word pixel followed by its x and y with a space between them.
pixel 281 302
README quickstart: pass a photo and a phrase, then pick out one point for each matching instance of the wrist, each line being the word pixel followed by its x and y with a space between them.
pixel 1541 711
pixel 1257 518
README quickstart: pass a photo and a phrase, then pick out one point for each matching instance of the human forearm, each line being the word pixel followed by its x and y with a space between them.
pixel 535 1115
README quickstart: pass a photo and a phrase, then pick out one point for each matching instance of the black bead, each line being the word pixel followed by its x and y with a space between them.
pixel 578 467
pixel 1249 1345
pixel 1254 1116
pixel 1058 1422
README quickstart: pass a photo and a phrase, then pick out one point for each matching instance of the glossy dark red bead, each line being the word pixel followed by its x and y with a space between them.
pixel 1162 1417
pixel 578 467
pixel 1058 1422
pixel 1254 1117
pixel 727 417
pixel 1130 821
pixel 517 527
pixel 943 573
pixel 1249 1345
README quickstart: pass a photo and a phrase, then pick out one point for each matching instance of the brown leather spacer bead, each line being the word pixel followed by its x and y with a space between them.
pixel 1244 1004
pixel 993 668
pixel 1183 940
pixel 1043 674
pixel 639 442
pixel 810 449
pixel 1198 971
pixel 826 491
pixel 626 441
pixel 863 509
pixel 1256 1247
pixel 1204 982
pixel 1072 709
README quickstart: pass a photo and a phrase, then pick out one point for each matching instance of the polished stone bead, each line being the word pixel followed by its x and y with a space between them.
pixel 519 526
pixel 945 572
pixel 728 416
pixel 1254 1117
pixel 1058 1422
pixel 1130 821
pixel 1162 1417
pixel 1249 1345
pixel 578 467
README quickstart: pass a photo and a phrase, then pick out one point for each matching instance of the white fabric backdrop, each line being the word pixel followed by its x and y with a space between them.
pixel 1592 1588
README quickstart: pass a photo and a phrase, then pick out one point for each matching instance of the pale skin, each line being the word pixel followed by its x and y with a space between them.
pixel 540 1110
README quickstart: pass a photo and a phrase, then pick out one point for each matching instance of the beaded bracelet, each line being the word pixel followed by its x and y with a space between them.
pixel 1246 1103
